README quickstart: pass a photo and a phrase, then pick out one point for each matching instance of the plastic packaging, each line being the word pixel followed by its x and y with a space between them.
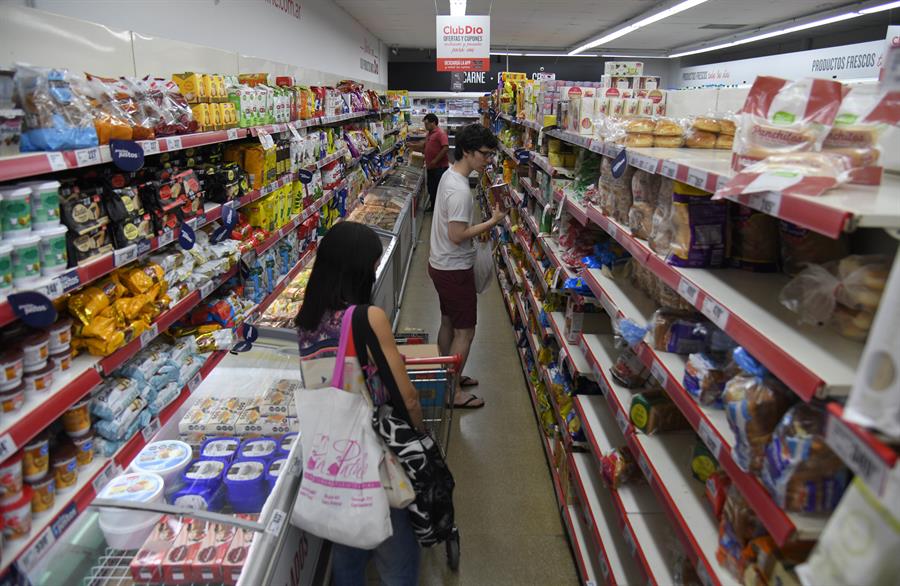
pixel 628 370
pixel 619 467
pixel 36 459
pixel 704 379
pixel 11 479
pixel 168 458
pixel 11 400
pixel 41 380
pixel 274 470
pixel 44 204
pixel 222 449
pixel 64 467
pixel 140 487
pixel 202 486
pixel 26 260
pixel 6 269
pixel 698 226
pixel 681 333
pixel 43 493
pixel 15 212
pixel 36 349
pixel 246 485
pixel 56 116
pixel 12 363
pixel 128 535
pixel 17 516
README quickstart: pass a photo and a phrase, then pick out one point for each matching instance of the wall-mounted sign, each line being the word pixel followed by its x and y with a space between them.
pixel 463 43
pixel 543 76
pixel 456 80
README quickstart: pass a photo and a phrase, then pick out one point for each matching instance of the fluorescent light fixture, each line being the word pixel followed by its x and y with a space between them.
pixel 656 17
pixel 507 53
pixel 559 55
pixel 875 9
pixel 457 7
pixel 634 56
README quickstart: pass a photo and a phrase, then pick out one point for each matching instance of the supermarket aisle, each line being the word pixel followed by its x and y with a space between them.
pixel 505 507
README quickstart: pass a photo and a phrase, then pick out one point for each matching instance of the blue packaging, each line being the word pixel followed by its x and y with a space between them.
pixel 246 484
pixel 202 489
pixel 222 449
pixel 260 448
pixel 274 470
pixel 287 440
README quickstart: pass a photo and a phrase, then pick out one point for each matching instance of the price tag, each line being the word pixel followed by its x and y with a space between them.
pixel 69 280
pixel 697 178
pixel 173 143
pixel 149 335
pixel 856 453
pixel 105 476
pixel 151 147
pixel 57 161
pixel 710 438
pixel 293 131
pixel 669 169
pixel 194 382
pixel 151 429
pixel 7 446
pixel 604 567
pixel 85 157
pixel 622 420
pixel 123 256
pixel 612 229
pixel 52 289
pixel 767 203
pixel 28 560
pixel 276 522
pixel 232 133
pixel 714 311
pixel 659 373
pixel 688 290
pixel 265 139
pixel 165 238
pixel 645 468
pixel 629 541
pixel 702 574
pixel 207 288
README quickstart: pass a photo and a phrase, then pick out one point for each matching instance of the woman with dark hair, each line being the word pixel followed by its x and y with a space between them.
pixel 344 275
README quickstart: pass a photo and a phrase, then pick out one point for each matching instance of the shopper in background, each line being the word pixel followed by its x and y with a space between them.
pixel 452 253
pixel 436 162
pixel 343 275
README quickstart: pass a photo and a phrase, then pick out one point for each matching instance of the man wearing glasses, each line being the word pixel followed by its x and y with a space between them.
pixel 452 256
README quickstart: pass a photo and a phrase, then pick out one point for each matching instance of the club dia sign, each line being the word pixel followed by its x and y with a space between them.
pixel 463 43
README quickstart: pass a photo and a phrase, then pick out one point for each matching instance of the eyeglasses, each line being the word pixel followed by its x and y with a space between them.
pixel 487 154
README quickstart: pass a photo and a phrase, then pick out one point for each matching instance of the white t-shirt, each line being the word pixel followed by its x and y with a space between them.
pixel 454 203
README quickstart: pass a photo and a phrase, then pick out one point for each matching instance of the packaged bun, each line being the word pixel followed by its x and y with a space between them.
pixel 698 225
pixel 781 116
pixel 662 229
pixel 802 173
pixel 706 124
pixel 644 188
pixel 668 142
pixel 667 127
pixel 640 126
pixel 700 139
pixel 677 332
pixel 704 378
pixel 724 142
pixel 727 127
pixel 638 140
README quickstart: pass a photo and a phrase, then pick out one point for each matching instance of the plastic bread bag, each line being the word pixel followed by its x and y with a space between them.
pixel 110 121
pixel 619 467
pixel 866 112
pixel 698 225
pixel 704 378
pixel 644 192
pixel 628 370
pixel 753 240
pixel 754 402
pixel 57 117
pixel 808 174
pixel 800 247
pixel 662 226
pixel 738 526
pixel 680 333
pixel 781 116
pixel 801 472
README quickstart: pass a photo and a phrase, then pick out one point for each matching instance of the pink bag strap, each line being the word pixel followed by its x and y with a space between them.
pixel 337 376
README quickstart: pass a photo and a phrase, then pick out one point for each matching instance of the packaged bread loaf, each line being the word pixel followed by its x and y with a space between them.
pixel 644 188
pixel 801 472
pixel 662 228
pixel 781 116
pixel 619 467
pixel 698 224
pixel 753 242
pixel 800 247
pixel 628 370
pixel 680 333
pixel 704 378
pixel 656 413
pixel 639 132
pixel 700 139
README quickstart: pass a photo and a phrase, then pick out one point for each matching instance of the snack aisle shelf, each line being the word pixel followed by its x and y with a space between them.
pixel 576 357
pixel 578 211
pixel 554 253
pixel 813 362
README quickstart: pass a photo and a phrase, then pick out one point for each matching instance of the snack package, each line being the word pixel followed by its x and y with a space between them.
pixel 865 113
pixel 801 472
pixel 790 174
pixel 237 553
pixel 781 117
pixel 704 379
pixel 619 467
pixel 57 116
pixel 843 294
pixel 698 225
pixel 753 242
pixel 628 370
pixel 800 247
pixel 677 332
pixel 754 401
pixel 207 566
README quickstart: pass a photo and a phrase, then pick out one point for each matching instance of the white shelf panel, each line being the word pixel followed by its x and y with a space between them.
pixel 573 351
pixel 588 566
pixel 654 536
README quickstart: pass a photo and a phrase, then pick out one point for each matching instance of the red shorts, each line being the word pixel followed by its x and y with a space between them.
pixel 456 292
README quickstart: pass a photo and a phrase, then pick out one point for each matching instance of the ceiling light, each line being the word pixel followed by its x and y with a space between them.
pixel 648 20
pixel 457 7
pixel 608 55
pixel 559 55
pixel 875 9
pixel 506 53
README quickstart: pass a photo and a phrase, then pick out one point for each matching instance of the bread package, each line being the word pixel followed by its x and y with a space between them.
pixel 628 369
pixel 706 124
pixel 801 472
pixel 781 116
pixel 644 189
pixel 619 467
pixel 639 140
pixel 655 412
pixel 698 223
pixel 800 247
pixel 802 173
pixel 753 242
pixel 700 139
pixel 704 378
pixel 681 333
pixel 661 227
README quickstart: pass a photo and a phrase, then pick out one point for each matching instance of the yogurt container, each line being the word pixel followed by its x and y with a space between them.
pixel 62 361
pixel 12 400
pixel 6 271
pixel 15 212
pixel 12 363
pixel 26 260
pixel 64 467
pixel 128 535
pixel 264 448
pixel 274 470
pixel 39 381
pixel 202 486
pixel 285 443
pixel 220 448
pixel 60 335
pixel 84 447
pixel 44 204
pixel 11 479
pixel 167 458
pixel 17 516
pixel 139 487
pixel 36 459
pixel 43 494
pixel 53 250
pixel 246 486
pixel 76 419
pixel 36 349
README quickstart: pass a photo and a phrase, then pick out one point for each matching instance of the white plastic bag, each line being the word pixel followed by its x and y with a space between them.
pixel 484 266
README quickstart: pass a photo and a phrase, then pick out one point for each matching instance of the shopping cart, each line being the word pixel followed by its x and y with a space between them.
pixel 435 377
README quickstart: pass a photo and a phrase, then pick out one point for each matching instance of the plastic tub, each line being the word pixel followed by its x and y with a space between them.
pixel 202 486
pixel 26 260
pixel 62 361
pixel 36 348
pixel 263 448
pixel 6 271
pixel 11 400
pixel 274 470
pixel 36 459
pixel 43 494
pixel 65 467
pixel 84 447
pixel 11 480
pixel 141 487
pixel 12 364
pixel 54 254
pixel 220 448
pixel 60 335
pixel 17 516
pixel 167 458
pixel 131 534
pixel 44 204
pixel 39 381
pixel 76 419
pixel 15 212
pixel 285 443
pixel 246 485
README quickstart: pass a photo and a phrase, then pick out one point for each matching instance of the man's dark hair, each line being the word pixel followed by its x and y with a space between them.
pixel 472 138
pixel 431 118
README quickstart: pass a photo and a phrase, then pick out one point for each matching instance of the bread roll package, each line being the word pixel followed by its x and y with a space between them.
pixel 781 116
pixel 802 173
pixel 698 226
pixel 800 247
pixel 704 378
pixel 753 240
pixel 680 333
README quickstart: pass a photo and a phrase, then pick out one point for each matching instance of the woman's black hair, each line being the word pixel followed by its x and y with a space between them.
pixel 471 138
pixel 343 274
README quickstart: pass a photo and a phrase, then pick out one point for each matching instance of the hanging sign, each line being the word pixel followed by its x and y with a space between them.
pixel 250 332
pixel 463 43
pixel 620 163
pixel 33 308
pixel 187 237
pixel 127 155
pixel 305 176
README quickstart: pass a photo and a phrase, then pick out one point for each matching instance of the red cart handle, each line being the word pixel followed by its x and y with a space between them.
pixel 453 361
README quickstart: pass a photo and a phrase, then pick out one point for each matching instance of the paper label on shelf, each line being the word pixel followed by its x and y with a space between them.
pixel 57 161
pixel 173 143
pixel 714 311
pixel 107 474
pixel 612 229
pixel 52 289
pixel 36 551
pixel 265 139
pixel 207 288
pixel 151 147
pixel 232 133
pixel 604 567
pixel 659 373
pixel 7 446
pixel 276 522
pixel 151 429
pixel 645 468
pixel 149 335
pixel 85 157
pixel 696 178
pixel 69 280
pixel 858 455
pixel 710 438
pixel 194 382
pixel 629 541
pixel 669 169
pixel 767 203
pixel 702 574
pixel 622 420
pixel 293 130
pixel 123 256
pixel 165 238
pixel 688 290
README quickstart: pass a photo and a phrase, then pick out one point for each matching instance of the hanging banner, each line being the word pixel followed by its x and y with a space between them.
pixel 463 43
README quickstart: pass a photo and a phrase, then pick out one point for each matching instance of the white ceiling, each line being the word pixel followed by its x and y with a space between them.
pixel 565 24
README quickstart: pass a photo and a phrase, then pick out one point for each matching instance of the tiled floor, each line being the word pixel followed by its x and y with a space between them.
pixel 510 528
